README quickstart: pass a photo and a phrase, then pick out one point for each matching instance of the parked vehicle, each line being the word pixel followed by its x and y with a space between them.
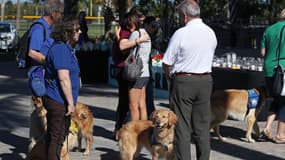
pixel 8 36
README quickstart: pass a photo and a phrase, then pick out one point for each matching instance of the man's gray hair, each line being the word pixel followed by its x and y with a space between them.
pixel 51 6
pixel 282 14
pixel 189 7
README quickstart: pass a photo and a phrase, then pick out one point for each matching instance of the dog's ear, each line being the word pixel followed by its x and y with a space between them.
pixel 82 116
pixel 172 118
pixel 152 116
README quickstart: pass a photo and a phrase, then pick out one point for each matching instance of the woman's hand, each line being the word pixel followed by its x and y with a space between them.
pixel 144 37
pixel 70 109
pixel 117 32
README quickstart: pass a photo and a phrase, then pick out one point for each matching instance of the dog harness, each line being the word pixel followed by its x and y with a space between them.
pixel 253 98
pixel 73 129
pixel 153 141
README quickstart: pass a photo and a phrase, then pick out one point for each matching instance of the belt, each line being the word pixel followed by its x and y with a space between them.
pixel 191 74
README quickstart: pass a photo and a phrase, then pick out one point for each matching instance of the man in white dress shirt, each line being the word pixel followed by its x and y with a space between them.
pixel 188 61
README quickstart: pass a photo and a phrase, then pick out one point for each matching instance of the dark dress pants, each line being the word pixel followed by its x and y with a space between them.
pixel 190 100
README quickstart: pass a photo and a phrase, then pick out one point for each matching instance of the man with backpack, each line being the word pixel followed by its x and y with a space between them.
pixel 40 33
pixel 39 37
pixel 53 12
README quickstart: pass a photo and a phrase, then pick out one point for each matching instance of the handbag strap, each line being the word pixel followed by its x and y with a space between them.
pixel 137 46
pixel 279 45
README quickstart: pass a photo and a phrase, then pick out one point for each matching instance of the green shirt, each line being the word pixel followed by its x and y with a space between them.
pixel 270 41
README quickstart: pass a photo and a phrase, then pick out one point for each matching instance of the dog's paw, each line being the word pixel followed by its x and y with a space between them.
pixel 250 140
pixel 86 153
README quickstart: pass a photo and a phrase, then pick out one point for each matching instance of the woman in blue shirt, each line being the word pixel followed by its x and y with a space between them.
pixel 62 84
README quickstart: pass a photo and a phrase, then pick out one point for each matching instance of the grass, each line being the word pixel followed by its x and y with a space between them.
pixel 94 29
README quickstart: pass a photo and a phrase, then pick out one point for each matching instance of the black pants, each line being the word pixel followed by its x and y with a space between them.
pixel 149 98
pixel 277 106
pixel 190 100
pixel 57 127
pixel 123 102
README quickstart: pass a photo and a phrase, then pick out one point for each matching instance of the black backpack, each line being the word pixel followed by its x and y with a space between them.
pixel 22 48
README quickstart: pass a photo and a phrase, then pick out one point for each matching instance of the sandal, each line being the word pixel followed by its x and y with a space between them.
pixel 266 135
pixel 279 140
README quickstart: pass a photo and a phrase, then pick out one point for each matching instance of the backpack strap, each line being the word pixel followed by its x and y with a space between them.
pixel 40 23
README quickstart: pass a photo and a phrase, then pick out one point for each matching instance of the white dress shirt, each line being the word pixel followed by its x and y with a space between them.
pixel 191 48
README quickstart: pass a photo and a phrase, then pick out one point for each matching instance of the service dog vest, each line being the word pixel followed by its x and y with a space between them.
pixel 253 98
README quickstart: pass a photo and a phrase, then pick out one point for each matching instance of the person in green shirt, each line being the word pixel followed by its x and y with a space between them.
pixel 269 48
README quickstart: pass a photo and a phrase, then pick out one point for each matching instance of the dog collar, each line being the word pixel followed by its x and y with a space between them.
pixel 253 98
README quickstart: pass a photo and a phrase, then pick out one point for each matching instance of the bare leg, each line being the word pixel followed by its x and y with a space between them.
pixel 270 119
pixel 142 104
pixel 134 95
pixel 281 130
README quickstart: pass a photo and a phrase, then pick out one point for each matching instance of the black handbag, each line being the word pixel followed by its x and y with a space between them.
pixel 278 76
pixel 133 66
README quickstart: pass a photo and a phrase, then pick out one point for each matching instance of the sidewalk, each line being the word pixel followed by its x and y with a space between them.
pixel 102 99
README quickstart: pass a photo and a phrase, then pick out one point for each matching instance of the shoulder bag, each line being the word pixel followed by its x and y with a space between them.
pixel 133 65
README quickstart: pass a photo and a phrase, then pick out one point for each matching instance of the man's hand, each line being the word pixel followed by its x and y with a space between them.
pixel 70 109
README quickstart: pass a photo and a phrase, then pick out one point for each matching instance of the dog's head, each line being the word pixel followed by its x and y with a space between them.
pixel 163 118
pixel 37 101
pixel 81 113
pixel 39 106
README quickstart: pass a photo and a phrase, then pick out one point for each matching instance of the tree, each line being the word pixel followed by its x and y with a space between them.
pixel 70 9
pixel 108 15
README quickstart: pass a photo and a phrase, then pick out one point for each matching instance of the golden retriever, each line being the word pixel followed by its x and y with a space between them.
pixel 82 119
pixel 38 122
pixel 156 135
pixel 233 103
pixel 38 152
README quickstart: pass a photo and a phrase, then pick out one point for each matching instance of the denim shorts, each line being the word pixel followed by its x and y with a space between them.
pixel 139 83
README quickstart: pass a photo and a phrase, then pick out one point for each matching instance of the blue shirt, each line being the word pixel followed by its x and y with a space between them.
pixel 61 56
pixel 46 45
pixel 37 36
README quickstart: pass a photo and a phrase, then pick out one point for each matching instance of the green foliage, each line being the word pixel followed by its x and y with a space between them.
pixel 151 8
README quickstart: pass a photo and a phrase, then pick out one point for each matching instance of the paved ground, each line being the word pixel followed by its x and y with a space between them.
pixel 102 99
